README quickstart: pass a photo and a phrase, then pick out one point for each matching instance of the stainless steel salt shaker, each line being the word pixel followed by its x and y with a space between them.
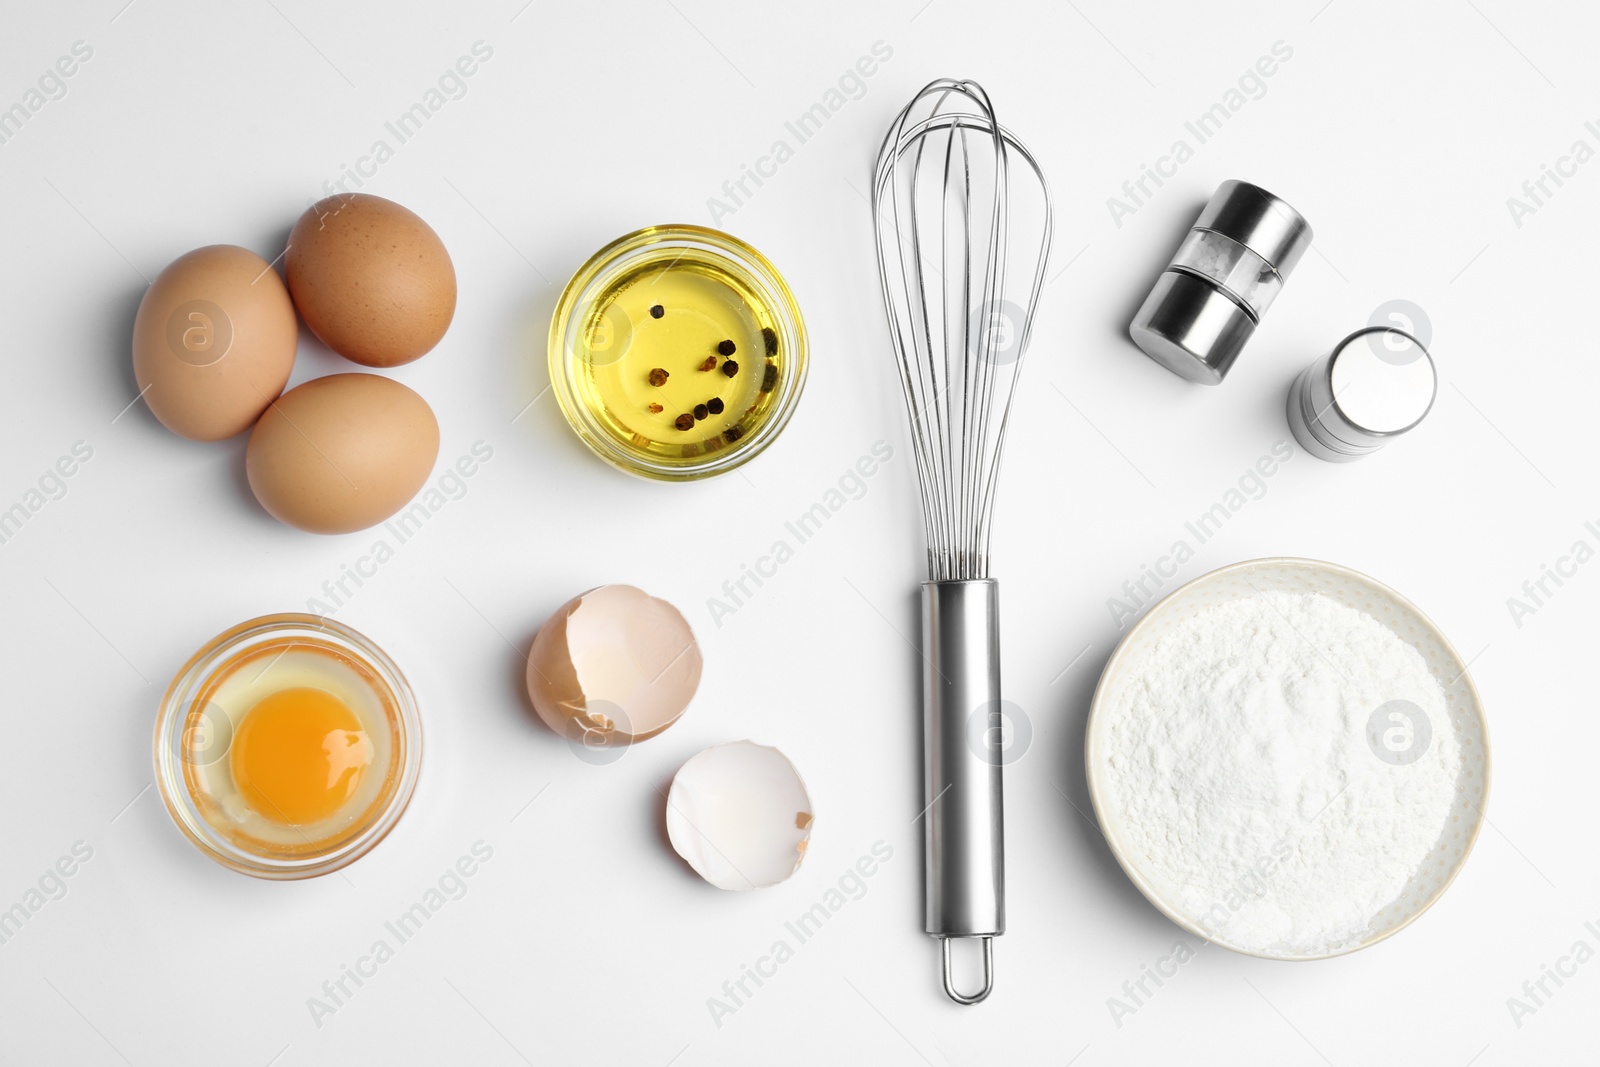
pixel 1374 386
pixel 1225 275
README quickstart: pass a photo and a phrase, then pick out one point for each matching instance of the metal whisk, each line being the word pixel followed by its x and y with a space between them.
pixel 960 296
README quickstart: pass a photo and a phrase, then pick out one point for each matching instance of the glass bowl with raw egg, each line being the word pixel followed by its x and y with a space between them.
pixel 287 747
pixel 677 352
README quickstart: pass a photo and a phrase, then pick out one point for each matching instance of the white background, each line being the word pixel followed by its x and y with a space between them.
pixel 1399 130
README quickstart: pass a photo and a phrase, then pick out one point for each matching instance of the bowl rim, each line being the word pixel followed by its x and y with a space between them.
pixel 728 247
pixel 169 780
pixel 1097 712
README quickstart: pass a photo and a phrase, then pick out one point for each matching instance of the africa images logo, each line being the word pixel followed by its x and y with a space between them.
pixel 199 332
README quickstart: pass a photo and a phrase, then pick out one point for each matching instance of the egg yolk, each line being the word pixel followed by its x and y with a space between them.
pixel 299 755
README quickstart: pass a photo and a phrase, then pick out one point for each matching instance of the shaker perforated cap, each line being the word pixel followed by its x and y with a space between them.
pixel 1375 385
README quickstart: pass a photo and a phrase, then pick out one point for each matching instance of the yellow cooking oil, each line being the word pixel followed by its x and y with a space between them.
pixel 678 357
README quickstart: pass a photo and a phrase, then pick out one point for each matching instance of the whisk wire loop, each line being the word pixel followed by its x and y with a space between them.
pixel 942 206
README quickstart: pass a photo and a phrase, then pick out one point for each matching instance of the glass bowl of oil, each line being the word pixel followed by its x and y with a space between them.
pixel 287 747
pixel 677 352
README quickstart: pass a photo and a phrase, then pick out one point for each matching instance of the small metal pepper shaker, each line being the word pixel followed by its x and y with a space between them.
pixel 1225 275
pixel 1374 386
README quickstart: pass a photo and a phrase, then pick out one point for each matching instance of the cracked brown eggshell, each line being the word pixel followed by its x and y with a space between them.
pixel 613 666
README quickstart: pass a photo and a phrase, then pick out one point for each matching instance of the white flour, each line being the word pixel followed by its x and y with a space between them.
pixel 1239 759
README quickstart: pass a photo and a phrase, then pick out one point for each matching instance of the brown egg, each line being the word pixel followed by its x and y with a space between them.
pixel 342 453
pixel 371 279
pixel 213 342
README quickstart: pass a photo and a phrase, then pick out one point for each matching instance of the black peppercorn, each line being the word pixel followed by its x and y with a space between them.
pixel 684 422
pixel 730 368
pixel 726 348
pixel 656 311
pixel 770 336
pixel 714 405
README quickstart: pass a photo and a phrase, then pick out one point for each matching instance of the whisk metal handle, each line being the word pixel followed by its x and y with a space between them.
pixel 963 835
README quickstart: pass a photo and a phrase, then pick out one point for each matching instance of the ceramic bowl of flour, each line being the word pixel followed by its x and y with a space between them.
pixel 1288 759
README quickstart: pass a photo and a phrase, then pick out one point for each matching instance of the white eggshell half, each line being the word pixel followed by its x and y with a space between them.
pixel 739 814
